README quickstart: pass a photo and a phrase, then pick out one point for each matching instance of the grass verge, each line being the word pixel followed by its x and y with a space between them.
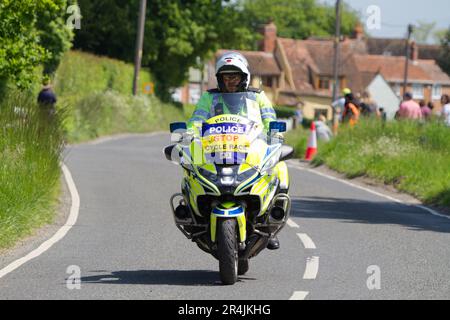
pixel 413 157
pixel 30 147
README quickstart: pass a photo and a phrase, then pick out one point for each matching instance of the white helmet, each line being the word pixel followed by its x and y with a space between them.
pixel 232 62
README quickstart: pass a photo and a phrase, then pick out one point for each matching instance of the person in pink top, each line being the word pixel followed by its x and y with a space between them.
pixel 426 111
pixel 409 109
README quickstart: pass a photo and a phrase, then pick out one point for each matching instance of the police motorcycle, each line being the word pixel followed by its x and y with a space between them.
pixel 234 192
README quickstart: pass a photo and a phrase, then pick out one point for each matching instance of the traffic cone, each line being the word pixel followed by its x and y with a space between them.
pixel 312 143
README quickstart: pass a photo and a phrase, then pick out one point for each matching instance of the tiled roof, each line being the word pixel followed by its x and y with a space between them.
pixel 301 63
pixel 397 47
pixel 308 57
pixel 260 63
pixel 393 69
pixel 322 51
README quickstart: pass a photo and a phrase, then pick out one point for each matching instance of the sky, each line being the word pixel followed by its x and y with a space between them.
pixel 395 15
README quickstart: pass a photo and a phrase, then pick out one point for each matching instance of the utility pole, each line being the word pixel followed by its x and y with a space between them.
pixel 337 49
pixel 337 40
pixel 139 44
pixel 407 56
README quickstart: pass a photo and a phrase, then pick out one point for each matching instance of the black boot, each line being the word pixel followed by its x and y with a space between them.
pixel 273 244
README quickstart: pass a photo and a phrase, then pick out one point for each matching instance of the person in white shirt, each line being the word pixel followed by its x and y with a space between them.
pixel 323 131
pixel 445 100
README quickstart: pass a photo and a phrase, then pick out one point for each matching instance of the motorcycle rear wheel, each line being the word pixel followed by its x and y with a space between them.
pixel 227 250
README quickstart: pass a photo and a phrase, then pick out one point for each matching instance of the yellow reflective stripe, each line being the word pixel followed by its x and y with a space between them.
pixel 210 167
pixel 244 167
pixel 282 172
pixel 267 202
pixel 261 186
pixel 213 228
pixel 242 227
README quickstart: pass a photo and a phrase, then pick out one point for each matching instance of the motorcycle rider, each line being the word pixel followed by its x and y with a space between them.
pixel 232 76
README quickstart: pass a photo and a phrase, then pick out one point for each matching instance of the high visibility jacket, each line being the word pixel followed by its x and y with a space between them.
pixel 207 107
pixel 351 114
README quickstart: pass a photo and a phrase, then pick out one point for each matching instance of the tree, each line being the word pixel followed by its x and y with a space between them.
pixel 108 28
pixel 422 31
pixel 55 36
pixel 177 34
pixel 444 57
pixel 298 19
pixel 439 36
pixel 185 31
pixel 28 29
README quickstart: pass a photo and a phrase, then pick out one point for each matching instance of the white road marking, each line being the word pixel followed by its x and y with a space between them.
pixel 312 268
pixel 307 241
pixel 71 220
pixel 292 224
pixel 433 212
pixel 299 295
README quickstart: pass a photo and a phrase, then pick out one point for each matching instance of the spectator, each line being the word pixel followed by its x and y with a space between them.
pixel 409 109
pixel 323 131
pixel 426 111
pixel 351 111
pixel 367 105
pixel 47 98
pixel 445 100
pixel 382 114
pixel 299 115
pixel 339 104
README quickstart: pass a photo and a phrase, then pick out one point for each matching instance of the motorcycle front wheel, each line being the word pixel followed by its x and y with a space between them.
pixel 227 250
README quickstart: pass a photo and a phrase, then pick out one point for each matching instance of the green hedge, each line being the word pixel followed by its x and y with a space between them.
pixel 96 92
pixel 81 74
pixel 284 112
pixel 110 112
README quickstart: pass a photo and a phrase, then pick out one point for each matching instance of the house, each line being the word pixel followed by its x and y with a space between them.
pixel 381 92
pixel 426 81
pixel 397 47
pixel 300 73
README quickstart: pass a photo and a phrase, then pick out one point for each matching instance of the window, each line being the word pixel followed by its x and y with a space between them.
pixel 324 83
pixel 417 91
pixel 267 81
pixel 437 92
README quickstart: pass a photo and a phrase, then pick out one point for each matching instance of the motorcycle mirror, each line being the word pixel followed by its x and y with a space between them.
pixel 178 127
pixel 277 126
pixel 286 153
pixel 173 154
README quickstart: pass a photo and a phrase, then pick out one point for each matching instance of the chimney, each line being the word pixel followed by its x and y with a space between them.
pixel 358 33
pixel 269 32
pixel 414 51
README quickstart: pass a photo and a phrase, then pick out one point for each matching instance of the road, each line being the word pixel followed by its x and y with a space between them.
pixel 342 242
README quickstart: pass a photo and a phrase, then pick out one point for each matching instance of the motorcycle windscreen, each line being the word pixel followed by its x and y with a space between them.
pixel 225 142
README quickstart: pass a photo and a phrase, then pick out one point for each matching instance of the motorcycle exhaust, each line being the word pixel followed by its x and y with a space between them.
pixel 277 213
pixel 182 212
